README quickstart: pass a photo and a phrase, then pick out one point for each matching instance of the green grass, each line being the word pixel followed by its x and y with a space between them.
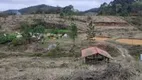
pixel 57 31
pixel 7 38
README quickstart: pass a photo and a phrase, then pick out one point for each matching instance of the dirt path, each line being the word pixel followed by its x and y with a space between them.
pixel 130 41
pixel 125 41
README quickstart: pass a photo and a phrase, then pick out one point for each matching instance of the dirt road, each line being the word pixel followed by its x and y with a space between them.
pixel 125 41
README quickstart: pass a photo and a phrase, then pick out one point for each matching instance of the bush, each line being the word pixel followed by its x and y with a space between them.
pixel 18 41
pixel 8 38
pixel 62 15
pixel 38 29
pixel 27 29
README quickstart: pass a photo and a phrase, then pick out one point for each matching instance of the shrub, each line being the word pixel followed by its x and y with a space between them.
pixel 38 29
pixel 62 15
pixel 7 38
pixel 27 29
pixel 18 41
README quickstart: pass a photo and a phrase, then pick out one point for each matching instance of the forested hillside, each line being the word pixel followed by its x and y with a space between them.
pixel 41 9
pixel 121 7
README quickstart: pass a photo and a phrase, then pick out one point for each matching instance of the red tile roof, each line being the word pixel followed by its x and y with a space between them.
pixel 95 50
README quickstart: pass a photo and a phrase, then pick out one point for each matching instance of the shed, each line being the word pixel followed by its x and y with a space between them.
pixel 95 54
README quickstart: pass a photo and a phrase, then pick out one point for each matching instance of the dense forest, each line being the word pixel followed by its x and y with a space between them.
pixel 121 7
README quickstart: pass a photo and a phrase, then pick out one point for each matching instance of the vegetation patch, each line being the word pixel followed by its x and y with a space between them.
pixel 6 38
pixel 57 31
pixel 18 41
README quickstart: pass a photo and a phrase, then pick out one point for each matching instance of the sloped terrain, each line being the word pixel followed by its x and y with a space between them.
pixel 106 26
pixel 34 62
pixel 69 68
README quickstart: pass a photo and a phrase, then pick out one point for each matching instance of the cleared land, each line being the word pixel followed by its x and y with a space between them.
pixel 34 62
pixel 106 26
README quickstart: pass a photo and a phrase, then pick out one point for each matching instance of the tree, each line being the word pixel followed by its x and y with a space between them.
pixel 25 31
pixel 117 7
pixel 62 15
pixel 73 31
pixel 103 9
pixel 73 34
pixel 137 7
pixel 68 9
pixel 91 29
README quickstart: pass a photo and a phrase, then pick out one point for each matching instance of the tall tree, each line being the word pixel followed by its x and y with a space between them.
pixel 91 29
pixel 117 7
pixel 73 31
pixel 73 34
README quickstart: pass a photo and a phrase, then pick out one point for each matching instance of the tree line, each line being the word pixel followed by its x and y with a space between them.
pixel 121 7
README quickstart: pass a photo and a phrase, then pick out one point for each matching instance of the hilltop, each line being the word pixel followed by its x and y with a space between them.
pixel 35 9
pixel 116 7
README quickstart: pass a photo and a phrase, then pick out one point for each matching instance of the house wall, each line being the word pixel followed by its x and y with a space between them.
pixel 95 59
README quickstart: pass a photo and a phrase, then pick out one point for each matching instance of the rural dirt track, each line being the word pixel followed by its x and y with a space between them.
pixel 130 41
pixel 125 41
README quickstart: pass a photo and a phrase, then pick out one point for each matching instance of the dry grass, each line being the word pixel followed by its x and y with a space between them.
pixel 39 68
pixel 12 23
pixel 113 71
pixel 32 68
